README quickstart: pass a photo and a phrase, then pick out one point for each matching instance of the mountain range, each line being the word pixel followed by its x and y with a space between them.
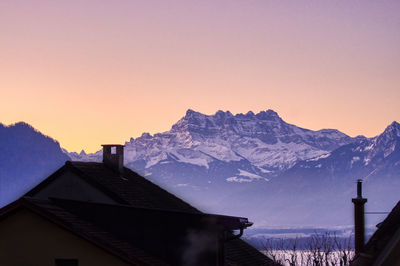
pixel 250 146
pixel 253 165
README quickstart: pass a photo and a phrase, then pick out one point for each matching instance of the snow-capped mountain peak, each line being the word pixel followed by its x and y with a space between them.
pixel 264 142
pixel 366 154
pixel 386 142
pixel 392 130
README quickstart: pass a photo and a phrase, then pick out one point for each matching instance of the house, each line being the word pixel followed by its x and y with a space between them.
pixel 383 248
pixel 90 213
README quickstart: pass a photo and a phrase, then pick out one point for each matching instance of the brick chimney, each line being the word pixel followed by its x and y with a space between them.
pixel 359 231
pixel 113 156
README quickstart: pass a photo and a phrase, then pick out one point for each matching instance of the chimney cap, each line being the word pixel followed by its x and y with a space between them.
pixel 115 145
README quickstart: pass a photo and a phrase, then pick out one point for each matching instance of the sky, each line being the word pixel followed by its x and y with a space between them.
pixel 93 72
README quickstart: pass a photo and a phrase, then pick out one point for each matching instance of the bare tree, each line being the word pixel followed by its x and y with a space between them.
pixel 324 249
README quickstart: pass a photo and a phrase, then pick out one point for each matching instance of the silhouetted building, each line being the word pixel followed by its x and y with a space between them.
pixel 383 248
pixel 90 213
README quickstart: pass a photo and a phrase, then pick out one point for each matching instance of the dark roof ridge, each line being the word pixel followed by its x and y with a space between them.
pixel 87 178
pixel 109 183
pixel 127 171
pixel 92 180
pixel 143 208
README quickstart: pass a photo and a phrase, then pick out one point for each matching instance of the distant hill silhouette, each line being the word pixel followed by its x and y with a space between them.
pixel 26 158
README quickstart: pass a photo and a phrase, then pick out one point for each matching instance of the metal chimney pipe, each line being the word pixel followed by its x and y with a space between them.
pixel 359 230
pixel 359 188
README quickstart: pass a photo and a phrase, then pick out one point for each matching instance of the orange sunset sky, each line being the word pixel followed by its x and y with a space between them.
pixel 93 72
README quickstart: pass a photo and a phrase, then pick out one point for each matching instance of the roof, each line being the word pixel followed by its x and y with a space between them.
pixel 123 213
pixel 381 241
pixel 127 188
pixel 71 222
pixel 91 221
pixel 238 252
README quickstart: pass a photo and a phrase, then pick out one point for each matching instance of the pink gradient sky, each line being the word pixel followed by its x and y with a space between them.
pixel 93 72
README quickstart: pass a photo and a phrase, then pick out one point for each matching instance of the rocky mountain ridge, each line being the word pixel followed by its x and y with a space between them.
pixel 253 165
pixel 263 141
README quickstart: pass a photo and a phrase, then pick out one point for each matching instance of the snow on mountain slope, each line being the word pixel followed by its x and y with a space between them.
pixel 236 165
pixel 269 144
pixel 326 184
pixel 263 139
pixel 366 154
